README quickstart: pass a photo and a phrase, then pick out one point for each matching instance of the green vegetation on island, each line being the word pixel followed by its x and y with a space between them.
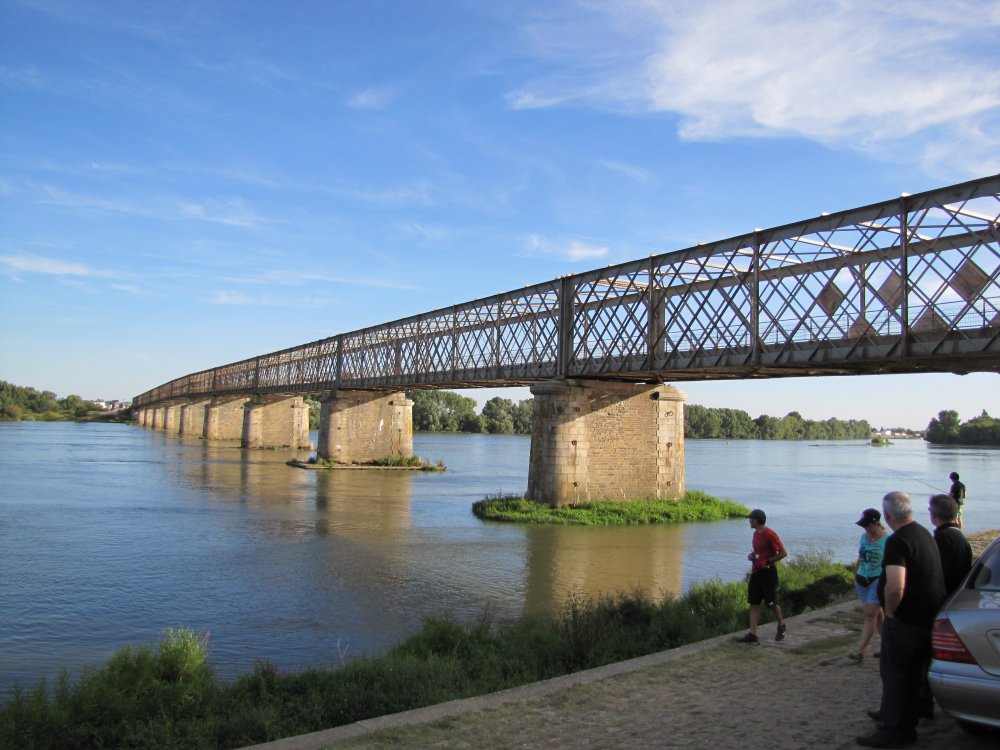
pixel 416 463
pixel 695 506
pixel 946 429
pixel 169 698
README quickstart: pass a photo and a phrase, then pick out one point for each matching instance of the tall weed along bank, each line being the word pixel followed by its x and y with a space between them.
pixel 169 697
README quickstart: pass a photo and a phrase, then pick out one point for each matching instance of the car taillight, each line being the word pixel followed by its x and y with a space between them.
pixel 947 645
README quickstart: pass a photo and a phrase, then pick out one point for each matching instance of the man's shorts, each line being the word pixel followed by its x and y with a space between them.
pixel 763 587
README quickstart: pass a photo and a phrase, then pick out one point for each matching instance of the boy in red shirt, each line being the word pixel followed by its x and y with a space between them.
pixel 763 584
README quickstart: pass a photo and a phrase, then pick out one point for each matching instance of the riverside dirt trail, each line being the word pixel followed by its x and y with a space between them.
pixel 802 692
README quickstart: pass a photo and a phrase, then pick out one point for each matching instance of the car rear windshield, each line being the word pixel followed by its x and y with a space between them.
pixel 986 575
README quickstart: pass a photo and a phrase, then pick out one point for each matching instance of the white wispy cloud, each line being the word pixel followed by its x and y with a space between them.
pixel 265 299
pixel 894 78
pixel 47 266
pixel 427 231
pixel 572 250
pixel 372 98
pixel 291 277
pixel 21 77
pixel 417 193
pixel 132 289
pixel 632 171
pixel 581 250
pixel 231 211
pixel 228 297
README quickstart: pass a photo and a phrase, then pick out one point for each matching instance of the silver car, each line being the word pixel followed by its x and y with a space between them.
pixel 965 669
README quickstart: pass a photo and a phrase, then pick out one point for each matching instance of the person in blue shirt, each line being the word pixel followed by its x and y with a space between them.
pixel 867 570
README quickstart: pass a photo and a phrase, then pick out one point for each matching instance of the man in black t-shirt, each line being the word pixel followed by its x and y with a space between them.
pixel 953 548
pixel 910 589
pixel 957 491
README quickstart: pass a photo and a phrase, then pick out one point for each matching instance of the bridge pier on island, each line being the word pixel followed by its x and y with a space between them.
pixel 224 418
pixel 275 421
pixel 594 440
pixel 362 426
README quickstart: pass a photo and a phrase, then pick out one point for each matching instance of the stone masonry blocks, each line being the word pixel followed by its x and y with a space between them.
pixel 595 440
pixel 224 418
pixel 193 417
pixel 278 421
pixel 172 418
pixel 362 426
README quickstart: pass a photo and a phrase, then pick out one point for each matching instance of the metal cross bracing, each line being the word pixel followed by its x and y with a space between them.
pixel 907 285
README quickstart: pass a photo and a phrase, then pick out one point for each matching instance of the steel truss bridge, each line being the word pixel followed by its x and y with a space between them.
pixel 911 284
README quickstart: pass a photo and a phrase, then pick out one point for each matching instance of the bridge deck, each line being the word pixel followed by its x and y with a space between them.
pixel 907 285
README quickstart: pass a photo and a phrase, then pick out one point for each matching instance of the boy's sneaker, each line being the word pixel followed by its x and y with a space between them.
pixel 748 638
pixel 780 635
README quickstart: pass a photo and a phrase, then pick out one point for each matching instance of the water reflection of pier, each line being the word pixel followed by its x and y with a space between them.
pixel 384 552
pixel 372 507
pixel 563 561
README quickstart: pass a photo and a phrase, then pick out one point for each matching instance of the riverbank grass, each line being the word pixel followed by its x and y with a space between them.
pixel 168 698
pixel 694 506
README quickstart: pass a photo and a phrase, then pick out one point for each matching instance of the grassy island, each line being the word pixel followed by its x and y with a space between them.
pixel 406 463
pixel 694 506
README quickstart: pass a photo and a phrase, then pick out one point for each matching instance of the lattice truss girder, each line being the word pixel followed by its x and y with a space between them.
pixel 610 319
pixel 844 286
pixel 932 272
pixel 503 336
pixel 843 281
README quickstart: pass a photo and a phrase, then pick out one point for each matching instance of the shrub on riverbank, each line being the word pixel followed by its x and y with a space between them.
pixel 695 506
pixel 169 698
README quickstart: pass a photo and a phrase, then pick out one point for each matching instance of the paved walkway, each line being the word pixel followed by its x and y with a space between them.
pixel 799 693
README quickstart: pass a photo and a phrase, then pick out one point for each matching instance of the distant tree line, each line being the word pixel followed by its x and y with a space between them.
pixel 444 411
pixel 736 424
pixel 946 429
pixel 20 403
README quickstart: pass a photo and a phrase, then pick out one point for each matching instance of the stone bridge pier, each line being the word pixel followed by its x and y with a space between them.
pixel 172 418
pixel 224 418
pixel 595 440
pixel 193 417
pixel 362 426
pixel 275 422
pixel 272 421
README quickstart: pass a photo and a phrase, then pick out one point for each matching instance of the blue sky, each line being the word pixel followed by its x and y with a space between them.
pixel 186 184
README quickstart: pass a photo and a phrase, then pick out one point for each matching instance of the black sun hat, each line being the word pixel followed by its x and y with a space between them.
pixel 870 515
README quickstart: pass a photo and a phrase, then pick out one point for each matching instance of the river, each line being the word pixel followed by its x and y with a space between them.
pixel 111 533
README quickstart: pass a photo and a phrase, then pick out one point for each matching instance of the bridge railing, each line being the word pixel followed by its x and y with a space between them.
pixel 903 285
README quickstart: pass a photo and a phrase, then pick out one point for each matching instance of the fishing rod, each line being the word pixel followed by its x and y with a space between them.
pixel 917 479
